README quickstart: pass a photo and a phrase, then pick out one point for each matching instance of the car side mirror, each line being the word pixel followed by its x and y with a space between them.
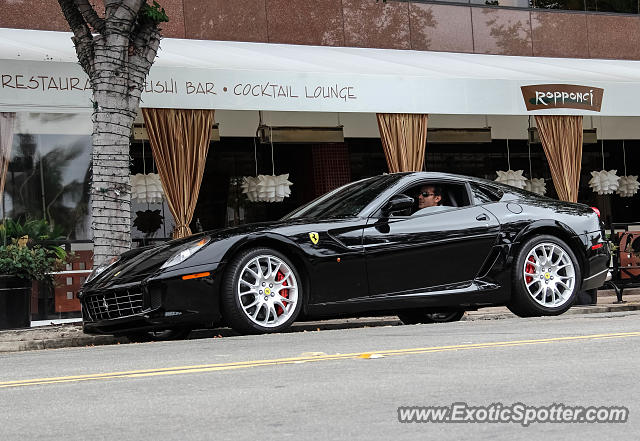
pixel 399 202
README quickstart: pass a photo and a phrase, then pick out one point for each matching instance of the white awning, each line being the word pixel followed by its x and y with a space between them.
pixel 39 70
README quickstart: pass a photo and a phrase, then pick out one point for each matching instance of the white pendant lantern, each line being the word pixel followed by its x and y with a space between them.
pixel 628 185
pixel 273 188
pixel 511 177
pixel 250 187
pixel 603 181
pixel 146 188
pixel 266 188
pixel 536 185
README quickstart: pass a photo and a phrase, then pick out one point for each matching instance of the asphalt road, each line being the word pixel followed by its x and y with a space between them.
pixel 338 384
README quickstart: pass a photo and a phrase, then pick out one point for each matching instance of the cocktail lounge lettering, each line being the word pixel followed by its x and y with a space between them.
pixel 548 96
pixel 270 90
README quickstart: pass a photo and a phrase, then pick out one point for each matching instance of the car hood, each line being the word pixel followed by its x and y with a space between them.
pixel 141 263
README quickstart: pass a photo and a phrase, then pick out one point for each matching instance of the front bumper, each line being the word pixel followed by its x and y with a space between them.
pixel 155 303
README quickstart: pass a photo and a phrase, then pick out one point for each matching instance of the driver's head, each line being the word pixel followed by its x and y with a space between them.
pixel 429 196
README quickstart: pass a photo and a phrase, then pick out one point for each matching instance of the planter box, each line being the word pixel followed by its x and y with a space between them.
pixel 15 302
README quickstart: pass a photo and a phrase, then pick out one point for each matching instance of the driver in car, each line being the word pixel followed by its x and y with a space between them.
pixel 429 199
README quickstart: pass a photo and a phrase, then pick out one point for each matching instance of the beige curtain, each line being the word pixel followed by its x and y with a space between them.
pixel 179 140
pixel 6 140
pixel 404 138
pixel 561 138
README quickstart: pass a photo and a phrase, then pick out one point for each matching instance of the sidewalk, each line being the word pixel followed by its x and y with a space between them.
pixel 68 333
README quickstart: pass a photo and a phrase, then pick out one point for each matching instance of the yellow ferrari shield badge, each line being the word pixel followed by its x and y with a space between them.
pixel 314 238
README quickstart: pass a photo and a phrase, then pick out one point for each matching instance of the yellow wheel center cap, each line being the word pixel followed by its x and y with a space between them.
pixel 267 291
pixel 547 275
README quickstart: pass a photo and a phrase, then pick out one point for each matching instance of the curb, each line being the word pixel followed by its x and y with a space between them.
pixel 81 339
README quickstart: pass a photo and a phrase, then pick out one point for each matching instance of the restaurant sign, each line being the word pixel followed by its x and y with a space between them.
pixel 567 96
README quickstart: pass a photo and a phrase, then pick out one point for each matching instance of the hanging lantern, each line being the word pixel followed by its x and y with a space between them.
pixel 604 182
pixel 146 188
pixel 266 188
pixel 250 187
pixel 511 177
pixel 628 186
pixel 535 185
pixel 273 188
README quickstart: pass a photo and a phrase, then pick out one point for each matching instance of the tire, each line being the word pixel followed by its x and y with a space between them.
pixel 163 335
pixel 261 292
pixel 413 317
pixel 546 278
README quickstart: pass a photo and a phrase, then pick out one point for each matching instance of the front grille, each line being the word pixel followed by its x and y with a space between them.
pixel 114 304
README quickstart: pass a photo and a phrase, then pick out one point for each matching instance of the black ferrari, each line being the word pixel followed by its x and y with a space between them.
pixel 370 247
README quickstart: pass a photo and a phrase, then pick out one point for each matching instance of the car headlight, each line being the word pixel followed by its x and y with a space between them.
pixel 102 268
pixel 186 252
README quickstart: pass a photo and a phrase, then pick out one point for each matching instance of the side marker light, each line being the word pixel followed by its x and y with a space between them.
pixel 195 276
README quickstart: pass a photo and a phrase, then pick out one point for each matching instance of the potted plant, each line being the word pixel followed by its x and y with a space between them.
pixel 22 262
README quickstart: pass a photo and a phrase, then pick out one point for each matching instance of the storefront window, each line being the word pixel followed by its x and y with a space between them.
pixel 48 174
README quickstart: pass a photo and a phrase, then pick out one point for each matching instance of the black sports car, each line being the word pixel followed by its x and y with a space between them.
pixel 369 247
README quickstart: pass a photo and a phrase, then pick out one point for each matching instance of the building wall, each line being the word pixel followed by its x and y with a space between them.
pixel 367 23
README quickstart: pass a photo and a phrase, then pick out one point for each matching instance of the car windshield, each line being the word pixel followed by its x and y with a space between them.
pixel 345 201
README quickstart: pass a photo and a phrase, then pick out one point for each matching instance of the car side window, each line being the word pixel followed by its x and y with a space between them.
pixel 484 195
pixel 432 197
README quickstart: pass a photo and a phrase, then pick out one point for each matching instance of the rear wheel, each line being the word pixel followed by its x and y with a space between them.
pixel 261 292
pixel 414 317
pixel 546 276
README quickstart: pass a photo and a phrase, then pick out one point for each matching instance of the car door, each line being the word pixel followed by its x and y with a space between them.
pixel 414 254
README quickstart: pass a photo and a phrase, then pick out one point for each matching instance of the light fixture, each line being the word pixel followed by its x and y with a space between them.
pixel 628 185
pixel 459 136
pixel 589 136
pixel 266 188
pixel 603 181
pixel 146 187
pixel 273 188
pixel 534 185
pixel 511 177
pixel 140 132
pixel 299 135
pixel 250 187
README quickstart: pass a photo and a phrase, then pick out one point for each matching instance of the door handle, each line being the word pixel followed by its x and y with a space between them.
pixel 482 217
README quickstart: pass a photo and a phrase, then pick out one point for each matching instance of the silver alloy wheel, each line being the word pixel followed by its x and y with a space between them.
pixel 549 275
pixel 268 291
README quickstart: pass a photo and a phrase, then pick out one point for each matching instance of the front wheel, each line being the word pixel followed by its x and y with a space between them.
pixel 414 317
pixel 546 278
pixel 261 292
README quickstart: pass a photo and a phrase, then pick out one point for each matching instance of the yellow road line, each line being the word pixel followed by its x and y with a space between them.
pixel 293 360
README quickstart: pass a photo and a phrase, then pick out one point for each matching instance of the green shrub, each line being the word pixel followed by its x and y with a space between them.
pixel 33 262
pixel 35 229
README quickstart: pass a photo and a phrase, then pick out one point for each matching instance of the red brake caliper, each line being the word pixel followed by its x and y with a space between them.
pixel 529 269
pixel 284 293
